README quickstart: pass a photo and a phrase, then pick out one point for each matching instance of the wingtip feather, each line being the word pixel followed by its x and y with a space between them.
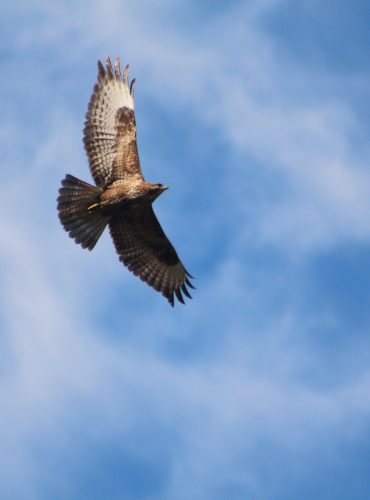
pixel 132 87
pixel 117 68
pixel 179 295
pixel 187 281
pixel 186 291
pixel 101 71
pixel 110 71
pixel 125 73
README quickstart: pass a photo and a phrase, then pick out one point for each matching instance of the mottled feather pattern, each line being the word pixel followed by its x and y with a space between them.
pixel 126 162
pixel 111 93
pixel 121 198
pixel 143 247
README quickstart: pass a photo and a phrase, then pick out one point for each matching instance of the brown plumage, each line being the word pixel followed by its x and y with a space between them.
pixel 121 198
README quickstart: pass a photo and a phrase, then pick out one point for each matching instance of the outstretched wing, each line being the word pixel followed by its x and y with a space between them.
pixel 144 248
pixel 110 129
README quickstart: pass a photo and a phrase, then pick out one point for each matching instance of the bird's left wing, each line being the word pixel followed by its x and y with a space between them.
pixel 110 129
pixel 144 248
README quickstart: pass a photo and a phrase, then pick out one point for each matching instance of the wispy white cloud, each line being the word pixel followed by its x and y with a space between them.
pixel 68 380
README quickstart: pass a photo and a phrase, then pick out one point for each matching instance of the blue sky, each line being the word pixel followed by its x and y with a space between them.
pixel 256 114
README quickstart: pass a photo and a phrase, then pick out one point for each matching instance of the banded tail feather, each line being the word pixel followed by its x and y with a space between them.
pixel 83 225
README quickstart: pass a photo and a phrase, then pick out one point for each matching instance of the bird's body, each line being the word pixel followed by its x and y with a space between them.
pixel 121 198
pixel 125 191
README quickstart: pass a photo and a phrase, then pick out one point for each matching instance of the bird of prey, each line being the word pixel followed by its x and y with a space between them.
pixel 121 198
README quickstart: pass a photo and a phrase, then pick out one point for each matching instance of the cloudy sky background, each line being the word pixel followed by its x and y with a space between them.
pixel 256 114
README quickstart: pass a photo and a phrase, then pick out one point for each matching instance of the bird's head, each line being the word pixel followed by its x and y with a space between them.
pixel 156 190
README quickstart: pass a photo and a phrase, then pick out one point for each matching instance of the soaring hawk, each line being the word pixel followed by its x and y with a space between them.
pixel 121 198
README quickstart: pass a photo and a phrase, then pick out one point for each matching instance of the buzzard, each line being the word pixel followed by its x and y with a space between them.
pixel 121 198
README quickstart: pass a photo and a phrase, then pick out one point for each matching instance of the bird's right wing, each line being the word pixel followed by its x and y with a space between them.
pixel 144 248
pixel 110 129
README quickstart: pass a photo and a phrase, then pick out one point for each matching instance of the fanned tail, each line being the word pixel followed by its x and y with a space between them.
pixel 84 225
